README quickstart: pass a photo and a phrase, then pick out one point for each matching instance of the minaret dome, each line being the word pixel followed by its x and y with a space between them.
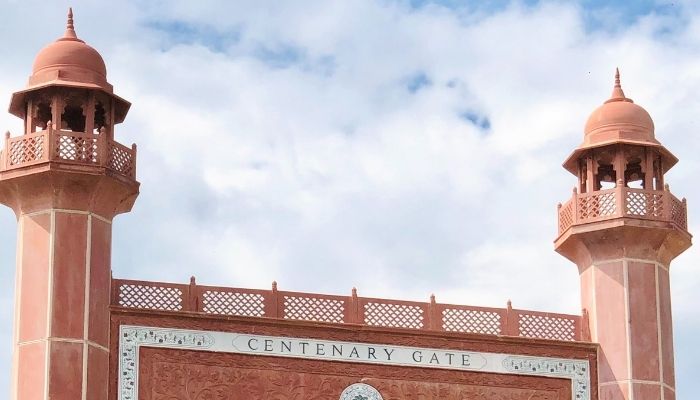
pixel 69 62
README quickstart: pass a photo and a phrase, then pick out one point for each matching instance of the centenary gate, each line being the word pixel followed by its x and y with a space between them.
pixel 169 347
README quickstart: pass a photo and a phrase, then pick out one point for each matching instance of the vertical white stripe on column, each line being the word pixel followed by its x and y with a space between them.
pixel 49 308
pixel 86 312
pixel 18 299
pixel 595 304
pixel 658 327
pixel 594 331
pixel 628 327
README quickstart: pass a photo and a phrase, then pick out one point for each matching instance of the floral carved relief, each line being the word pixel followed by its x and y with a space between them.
pixel 195 375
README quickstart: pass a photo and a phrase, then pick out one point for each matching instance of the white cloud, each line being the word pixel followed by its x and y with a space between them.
pixel 325 172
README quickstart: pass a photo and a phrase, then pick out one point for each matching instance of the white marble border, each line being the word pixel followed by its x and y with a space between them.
pixel 131 338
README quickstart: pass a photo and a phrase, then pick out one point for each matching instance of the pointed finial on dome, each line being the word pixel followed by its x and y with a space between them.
pixel 70 28
pixel 617 93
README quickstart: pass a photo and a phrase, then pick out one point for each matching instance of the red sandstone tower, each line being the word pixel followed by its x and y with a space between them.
pixel 65 178
pixel 622 228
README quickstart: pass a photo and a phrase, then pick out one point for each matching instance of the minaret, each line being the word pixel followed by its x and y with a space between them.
pixel 622 227
pixel 65 178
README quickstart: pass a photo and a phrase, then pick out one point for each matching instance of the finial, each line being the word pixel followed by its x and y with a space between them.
pixel 193 280
pixel 70 28
pixel 617 93
pixel 509 304
pixel 354 292
pixel 274 286
pixel 432 298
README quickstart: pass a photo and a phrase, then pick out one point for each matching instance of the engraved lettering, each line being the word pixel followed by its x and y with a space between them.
pixel 388 353
pixel 465 360
pixel 287 345
pixel 417 356
pixel 370 353
pixel 250 344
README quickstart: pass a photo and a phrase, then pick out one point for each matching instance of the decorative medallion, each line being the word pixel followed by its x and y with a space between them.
pixel 360 391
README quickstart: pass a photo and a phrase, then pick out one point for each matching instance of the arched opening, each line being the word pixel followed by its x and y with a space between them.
pixel 100 117
pixel 42 116
pixel 73 116
pixel 634 177
pixel 606 177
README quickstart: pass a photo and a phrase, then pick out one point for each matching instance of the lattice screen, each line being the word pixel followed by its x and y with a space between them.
pixel 150 297
pixel 679 213
pixel 644 204
pixel 394 315
pixel 76 148
pixel 120 160
pixel 566 216
pixel 471 321
pixel 233 303
pixel 597 205
pixel 26 150
pixel 315 309
pixel 545 327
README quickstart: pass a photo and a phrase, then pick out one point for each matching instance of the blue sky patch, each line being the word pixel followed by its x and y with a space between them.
pixel 280 55
pixel 417 82
pixel 179 32
pixel 480 121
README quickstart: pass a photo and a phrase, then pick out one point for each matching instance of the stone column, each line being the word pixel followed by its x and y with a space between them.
pixel 62 299
pixel 628 301
pixel 61 347
pixel 626 291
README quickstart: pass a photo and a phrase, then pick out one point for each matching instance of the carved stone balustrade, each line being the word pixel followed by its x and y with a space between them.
pixel 623 202
pixel 68 148
pixel 321 308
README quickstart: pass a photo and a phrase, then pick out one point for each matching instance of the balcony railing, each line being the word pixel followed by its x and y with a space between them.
pixel 656 205
pixel 351 309
pixel 68 147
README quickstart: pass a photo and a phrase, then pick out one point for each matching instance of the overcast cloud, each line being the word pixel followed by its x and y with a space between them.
pixel 404 148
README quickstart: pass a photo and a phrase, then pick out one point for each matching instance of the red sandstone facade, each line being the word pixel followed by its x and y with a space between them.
pixel 79 334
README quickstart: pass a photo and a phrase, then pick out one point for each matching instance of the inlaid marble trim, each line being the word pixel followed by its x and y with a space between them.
pixel 132 338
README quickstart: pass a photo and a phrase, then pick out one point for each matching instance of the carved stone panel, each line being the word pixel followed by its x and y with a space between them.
pixel 201 375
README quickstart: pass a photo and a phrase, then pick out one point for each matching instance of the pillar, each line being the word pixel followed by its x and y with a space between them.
pixel 624 274
pixel 62 298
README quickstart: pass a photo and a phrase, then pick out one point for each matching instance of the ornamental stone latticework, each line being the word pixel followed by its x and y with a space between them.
pixel 81 334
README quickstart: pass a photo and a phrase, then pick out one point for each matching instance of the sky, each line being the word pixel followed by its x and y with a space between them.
pixel 401 147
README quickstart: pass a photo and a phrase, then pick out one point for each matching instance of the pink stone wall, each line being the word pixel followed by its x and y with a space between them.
pixel 63 302
pixel 628 301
